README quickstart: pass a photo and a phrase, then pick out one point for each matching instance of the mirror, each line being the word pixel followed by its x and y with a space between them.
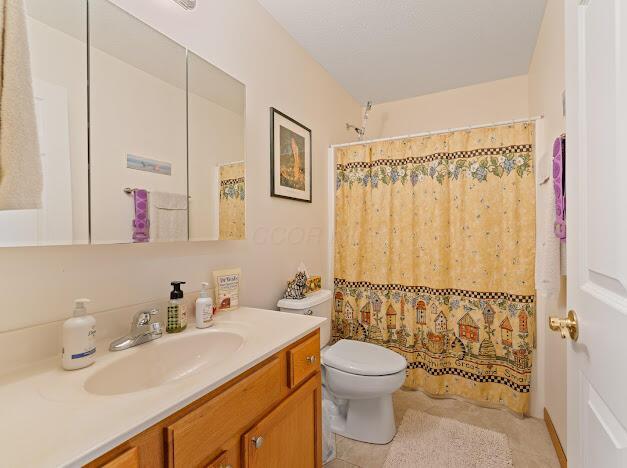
pixel 138 134
pixel 128 136
pixel 56 41
pixel 216 110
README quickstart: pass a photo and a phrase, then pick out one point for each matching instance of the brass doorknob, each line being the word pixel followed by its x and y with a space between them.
pixel 311 359
pixel 566 325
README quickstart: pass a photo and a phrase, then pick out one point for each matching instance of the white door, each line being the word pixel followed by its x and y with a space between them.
pixel 596 108
pixel 52 223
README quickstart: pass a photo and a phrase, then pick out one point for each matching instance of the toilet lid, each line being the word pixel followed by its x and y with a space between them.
pixel 357 357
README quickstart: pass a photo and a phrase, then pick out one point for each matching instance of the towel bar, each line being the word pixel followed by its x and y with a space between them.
pixel 129 191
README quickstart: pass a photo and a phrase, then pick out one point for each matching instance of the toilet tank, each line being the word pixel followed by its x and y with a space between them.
pixel 318 304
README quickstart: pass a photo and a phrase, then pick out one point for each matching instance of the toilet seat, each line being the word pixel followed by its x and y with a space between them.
pixel 359 358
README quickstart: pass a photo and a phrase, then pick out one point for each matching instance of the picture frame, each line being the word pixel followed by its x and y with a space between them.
pixel 290 158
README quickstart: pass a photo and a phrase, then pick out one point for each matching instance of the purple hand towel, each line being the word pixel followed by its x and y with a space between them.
pixel 141 223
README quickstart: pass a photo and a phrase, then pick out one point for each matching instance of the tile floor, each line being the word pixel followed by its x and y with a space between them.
pixel 528 438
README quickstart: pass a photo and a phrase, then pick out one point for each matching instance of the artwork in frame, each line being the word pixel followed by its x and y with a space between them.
pixel 290 158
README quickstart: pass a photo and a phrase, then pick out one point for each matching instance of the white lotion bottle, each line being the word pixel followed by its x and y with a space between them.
pixel 204 308
pixel 79 338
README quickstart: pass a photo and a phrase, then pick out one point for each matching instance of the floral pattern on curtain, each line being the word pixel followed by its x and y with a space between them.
pixel 232 196
pixel 434 258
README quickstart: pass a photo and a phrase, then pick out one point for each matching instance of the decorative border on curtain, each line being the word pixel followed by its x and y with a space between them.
pixel 239 180
pixel 529 299
pixel 232 188
pixel 477 164
pixel 512 149
pixel 525 388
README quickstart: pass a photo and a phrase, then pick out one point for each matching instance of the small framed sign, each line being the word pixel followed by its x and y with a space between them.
pixel 290 158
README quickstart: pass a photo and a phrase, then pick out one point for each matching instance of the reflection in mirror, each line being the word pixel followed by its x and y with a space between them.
pixel 216 152
pixel 138 133
pixel 56 174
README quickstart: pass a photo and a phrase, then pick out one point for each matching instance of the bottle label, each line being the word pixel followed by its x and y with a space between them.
pixel 207 312
pixel 183 315
pixel 85 354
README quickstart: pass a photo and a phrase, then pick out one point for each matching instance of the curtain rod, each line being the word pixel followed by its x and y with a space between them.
pixel 438 132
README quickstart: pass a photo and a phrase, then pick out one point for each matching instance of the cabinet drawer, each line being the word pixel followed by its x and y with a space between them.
pixel 199 434
pixel 303 360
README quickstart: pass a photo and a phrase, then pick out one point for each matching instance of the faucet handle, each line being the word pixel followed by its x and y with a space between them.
pixel 144 317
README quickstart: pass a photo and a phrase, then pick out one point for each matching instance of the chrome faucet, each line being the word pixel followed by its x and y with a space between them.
pixel 143 330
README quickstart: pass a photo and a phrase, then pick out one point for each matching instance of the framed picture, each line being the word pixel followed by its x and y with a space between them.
pixel 290 158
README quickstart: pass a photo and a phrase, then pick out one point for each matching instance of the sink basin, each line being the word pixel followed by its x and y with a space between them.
pixel 162 361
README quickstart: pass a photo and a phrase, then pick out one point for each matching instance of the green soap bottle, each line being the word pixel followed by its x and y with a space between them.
pixel 177 315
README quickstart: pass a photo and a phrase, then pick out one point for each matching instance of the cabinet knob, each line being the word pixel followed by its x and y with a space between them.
pixel 311 359
pixel 226 466
pixel 258 441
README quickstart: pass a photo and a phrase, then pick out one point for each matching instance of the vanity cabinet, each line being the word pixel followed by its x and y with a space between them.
pixel 269 416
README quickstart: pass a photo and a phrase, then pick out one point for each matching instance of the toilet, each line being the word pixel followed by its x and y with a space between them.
pixel 360 377
pixel 318 304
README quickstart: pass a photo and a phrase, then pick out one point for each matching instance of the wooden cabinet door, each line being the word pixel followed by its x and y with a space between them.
pixel 291 435
pixel 225 460
pixel 127 459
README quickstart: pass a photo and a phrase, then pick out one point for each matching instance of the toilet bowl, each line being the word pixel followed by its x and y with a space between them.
pixel 361 377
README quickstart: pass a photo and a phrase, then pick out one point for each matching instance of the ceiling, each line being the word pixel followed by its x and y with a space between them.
pixel 384 50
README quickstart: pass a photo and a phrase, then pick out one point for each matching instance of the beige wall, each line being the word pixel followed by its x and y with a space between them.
pixel 239 36
pixel 471 105
pixel 546 84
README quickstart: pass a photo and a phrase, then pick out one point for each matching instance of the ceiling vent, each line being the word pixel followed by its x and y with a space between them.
pixel 187 4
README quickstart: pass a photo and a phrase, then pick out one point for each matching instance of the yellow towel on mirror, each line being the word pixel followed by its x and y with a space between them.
pixel 20 163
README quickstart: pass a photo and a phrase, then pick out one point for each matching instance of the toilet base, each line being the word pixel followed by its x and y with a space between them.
pixel 368 420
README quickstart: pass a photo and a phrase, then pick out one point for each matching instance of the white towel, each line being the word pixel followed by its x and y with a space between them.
pixel 21 180
pixel 168 217
pixel 547 244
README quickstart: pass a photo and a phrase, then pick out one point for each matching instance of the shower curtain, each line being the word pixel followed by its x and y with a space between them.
pixel 434 258
pixel 231 208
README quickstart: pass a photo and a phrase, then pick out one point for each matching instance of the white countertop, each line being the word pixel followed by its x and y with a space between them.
pixel 49 420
